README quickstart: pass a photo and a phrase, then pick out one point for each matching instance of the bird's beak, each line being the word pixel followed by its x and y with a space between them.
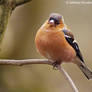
pixel 52 22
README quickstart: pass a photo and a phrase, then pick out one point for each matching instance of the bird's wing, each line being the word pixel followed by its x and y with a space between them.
pixel 70 39
pixel 68 32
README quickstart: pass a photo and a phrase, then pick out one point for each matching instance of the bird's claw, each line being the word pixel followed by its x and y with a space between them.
pixel 55 64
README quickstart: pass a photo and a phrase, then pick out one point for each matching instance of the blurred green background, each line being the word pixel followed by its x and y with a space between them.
pixel 18 43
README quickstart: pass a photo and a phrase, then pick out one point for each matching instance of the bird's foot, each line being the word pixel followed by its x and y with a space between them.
pixel 55 65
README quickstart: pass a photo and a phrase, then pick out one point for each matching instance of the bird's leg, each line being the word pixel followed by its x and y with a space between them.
pixel 55 64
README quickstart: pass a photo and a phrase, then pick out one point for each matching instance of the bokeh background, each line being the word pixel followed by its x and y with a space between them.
pixel 18 43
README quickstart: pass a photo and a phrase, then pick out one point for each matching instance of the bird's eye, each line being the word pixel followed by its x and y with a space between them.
pixel 56 22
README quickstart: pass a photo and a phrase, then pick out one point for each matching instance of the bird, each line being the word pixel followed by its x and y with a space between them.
pixel 55 41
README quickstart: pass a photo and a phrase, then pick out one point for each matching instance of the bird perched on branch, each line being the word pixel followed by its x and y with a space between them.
pixel 56 42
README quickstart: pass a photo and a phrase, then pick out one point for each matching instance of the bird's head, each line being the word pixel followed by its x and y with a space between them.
pixel 55 19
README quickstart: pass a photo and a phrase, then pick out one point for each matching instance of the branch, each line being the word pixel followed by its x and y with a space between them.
pixel 68 78
pixel 20 2
pixel 25 62
pixel 6 8
pixel 40 61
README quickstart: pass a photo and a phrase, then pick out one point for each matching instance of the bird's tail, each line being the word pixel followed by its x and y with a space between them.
pixel 85 70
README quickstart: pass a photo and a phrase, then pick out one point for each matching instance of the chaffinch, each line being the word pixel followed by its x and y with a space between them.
pixel 56 42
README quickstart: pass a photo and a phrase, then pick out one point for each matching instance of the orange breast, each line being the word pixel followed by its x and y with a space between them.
pixel 52 44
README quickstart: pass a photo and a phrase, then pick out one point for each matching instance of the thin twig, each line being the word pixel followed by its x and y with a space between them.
pixel 39 61
pixel 24 62
pixel 68 78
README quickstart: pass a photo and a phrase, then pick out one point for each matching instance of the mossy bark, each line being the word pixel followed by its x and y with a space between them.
pixel 6 8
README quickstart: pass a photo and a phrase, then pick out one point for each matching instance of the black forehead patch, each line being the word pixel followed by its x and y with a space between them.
pixel 56 16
